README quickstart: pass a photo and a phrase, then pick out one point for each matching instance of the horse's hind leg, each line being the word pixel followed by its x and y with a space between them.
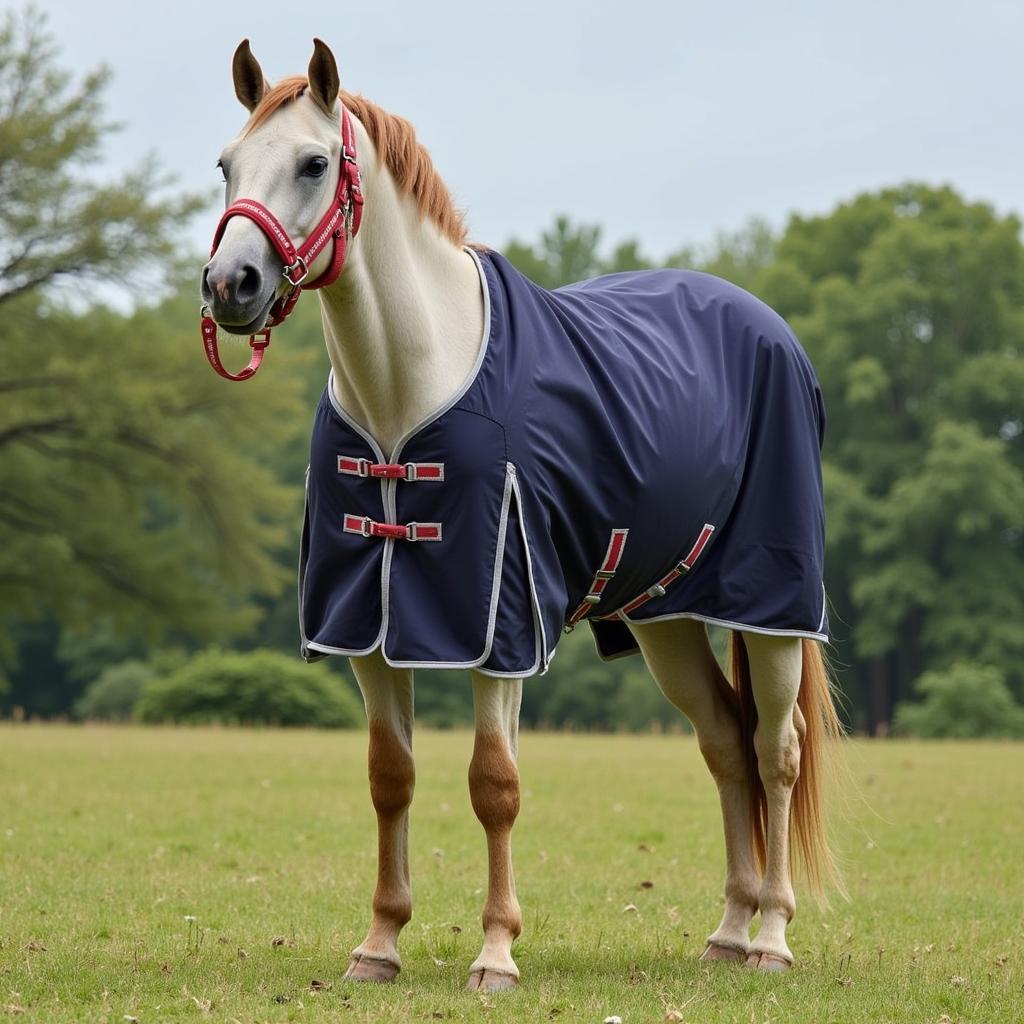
pixel 775 672
pixel 388 693
pixel 494 791
pixel 681 660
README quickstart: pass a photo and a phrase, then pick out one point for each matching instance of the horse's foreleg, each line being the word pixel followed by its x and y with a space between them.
pixel 388 693
pixel 775 667
pixel 494 791
pixel 681 660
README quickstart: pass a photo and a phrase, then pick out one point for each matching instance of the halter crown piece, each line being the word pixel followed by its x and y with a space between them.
pixel 338 225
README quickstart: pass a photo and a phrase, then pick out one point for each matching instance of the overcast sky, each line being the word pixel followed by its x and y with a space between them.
pixel 664 121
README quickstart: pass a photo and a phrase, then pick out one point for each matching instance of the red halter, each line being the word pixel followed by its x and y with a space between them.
pixel 338 225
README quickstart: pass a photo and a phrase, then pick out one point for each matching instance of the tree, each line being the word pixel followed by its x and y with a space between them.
pixel 136 488
pixel 569 252
pixel 964 702
pixel 56 225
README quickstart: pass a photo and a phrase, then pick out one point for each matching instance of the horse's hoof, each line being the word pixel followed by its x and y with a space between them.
pixel 767 962
pixel 368 968
pixel 486 980
pixel 722 954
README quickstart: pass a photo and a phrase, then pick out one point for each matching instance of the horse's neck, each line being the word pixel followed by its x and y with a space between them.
pixel 404 322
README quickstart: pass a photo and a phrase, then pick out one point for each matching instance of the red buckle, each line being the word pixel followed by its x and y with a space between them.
pixel 390 470
pixel 410 471
pixel 367 527
pixel 393 530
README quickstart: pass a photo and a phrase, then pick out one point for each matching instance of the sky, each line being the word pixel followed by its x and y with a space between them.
pixel 663 121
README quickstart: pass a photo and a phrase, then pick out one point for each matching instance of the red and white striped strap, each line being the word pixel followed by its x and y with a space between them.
pixel 612 557
pixel 659 588
pixel 411 471
pixel 367 527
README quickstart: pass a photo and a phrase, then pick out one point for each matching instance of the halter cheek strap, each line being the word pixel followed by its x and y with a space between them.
pixel 339 224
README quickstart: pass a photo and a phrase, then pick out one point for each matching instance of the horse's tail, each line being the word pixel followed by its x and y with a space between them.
pixel 822 728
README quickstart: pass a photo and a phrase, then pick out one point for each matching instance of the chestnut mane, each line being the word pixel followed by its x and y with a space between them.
pixel 394 138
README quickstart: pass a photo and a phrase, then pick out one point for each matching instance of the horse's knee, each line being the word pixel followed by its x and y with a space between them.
pixel 392 773
pixel 494 782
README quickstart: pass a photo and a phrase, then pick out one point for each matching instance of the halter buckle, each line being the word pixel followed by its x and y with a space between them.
pixel 298 267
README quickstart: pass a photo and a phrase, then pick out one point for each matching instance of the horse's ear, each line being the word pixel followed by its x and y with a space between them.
pixel 250 85
pixel 324 83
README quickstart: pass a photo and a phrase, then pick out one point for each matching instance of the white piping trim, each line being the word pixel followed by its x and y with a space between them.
pixel 542 659
pixel 312 645
pixel 824 607
pixel 302 566
pixel 492 613
pixel 808 634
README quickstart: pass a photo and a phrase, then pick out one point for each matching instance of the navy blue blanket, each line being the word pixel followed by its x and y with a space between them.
pixel 667 403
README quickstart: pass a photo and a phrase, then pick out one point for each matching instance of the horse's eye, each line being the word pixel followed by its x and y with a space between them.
pixel 315 167
pixel 223 173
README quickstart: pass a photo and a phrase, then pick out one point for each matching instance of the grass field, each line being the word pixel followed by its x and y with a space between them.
pixel 223 875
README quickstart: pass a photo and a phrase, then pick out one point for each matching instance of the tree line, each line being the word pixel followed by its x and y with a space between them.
pixel 147 508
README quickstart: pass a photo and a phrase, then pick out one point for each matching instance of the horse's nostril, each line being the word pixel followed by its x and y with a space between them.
pixel 250 285
pixel 204 286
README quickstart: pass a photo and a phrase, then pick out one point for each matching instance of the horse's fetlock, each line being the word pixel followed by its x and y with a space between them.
pixel 394 906
pixel 503 916
pixel 742 891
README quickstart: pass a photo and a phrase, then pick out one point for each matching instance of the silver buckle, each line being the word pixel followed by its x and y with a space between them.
pixel 656 591
pixel 604 574
pixel 363 467
pixel 366 526
pixel 299 264
pixel 593 599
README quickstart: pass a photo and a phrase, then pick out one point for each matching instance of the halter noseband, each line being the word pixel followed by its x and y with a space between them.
pixel 338 225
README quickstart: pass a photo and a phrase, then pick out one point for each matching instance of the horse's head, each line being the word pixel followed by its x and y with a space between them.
pixel 287 159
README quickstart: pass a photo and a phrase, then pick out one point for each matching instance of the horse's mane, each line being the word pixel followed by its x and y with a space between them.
pixel 394 138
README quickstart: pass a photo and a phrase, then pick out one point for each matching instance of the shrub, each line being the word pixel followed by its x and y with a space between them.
pixel 962 702
pixel 113 694
pixel 260 688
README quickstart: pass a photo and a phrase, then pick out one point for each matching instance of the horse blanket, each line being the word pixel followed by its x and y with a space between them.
pixel 634 447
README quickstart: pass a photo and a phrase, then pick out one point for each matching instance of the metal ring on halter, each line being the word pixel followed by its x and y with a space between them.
pixel 299 264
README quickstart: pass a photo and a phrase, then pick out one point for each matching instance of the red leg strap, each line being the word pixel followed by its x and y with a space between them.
pixel 612 557
pixel 681 569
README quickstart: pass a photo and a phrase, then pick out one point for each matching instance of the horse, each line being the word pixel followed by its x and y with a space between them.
pixel 407 327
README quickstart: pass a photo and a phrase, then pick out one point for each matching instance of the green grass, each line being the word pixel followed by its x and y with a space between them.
pixel 111 839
